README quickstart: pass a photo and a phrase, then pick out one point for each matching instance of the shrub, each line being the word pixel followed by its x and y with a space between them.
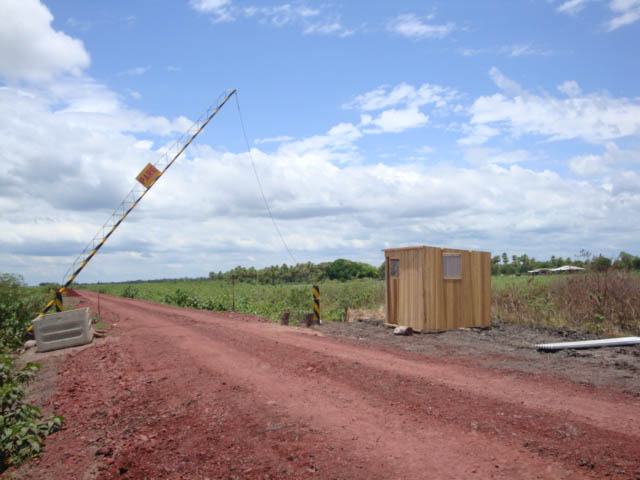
pixel 19 305
pixel 605 302
pixel 22 429
pixel 129 292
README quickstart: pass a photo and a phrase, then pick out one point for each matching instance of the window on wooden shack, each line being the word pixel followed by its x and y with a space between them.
pixel 394 267
pixel 451 266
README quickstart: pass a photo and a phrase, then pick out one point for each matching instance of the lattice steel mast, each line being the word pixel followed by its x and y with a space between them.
pixel 145 180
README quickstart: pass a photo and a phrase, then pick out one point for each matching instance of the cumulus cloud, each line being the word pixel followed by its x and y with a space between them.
pixel 614 160
pixel 400 106
pixel 72 148
pixel 412 26
pixel 32 50
pixel 478 134
pixel 394 120
pixel 208 213
pixel 486 156
pixel 596 117
pixel 570 88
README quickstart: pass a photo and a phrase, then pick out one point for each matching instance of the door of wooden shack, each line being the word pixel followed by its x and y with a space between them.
pixel 405 305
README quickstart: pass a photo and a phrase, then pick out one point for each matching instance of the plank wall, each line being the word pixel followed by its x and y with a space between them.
pixel 424 301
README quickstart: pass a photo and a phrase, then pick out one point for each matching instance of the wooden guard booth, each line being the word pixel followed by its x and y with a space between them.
pixel 431 288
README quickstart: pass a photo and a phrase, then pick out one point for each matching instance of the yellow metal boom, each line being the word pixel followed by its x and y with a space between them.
pixel 147 178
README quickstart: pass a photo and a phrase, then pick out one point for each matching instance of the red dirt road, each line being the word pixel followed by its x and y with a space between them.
pixel 182 394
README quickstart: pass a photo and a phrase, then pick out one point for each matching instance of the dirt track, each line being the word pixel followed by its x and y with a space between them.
pixel 177 393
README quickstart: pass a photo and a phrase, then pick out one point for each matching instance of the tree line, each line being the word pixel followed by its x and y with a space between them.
pixel 309 272
pixel 345 270
pixel 517 265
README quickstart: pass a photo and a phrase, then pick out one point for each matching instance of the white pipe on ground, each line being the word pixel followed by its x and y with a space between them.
pixel 607 342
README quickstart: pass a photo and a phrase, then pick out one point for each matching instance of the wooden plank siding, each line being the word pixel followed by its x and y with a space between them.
pixel 422 299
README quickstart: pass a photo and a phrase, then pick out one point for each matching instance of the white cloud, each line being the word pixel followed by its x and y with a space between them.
pixel 485 156
pixel 328 28
pixel 82 25
pixel 313 21
pixel 411 26
pixel 570 88
pixel 504 83
pixel 395 121
pixel 625 12
pixel 219 9
pixel 515 50
pixel 612 162
pixel 32 50
pixel 572 6
pixel 595 118
pixel 478 134
pixel 400 106
pixel 336 145
pixel 588 165
pixel 279 139
pixel 403 94
pixel 134 94
pixel 135 72
pixel 58 187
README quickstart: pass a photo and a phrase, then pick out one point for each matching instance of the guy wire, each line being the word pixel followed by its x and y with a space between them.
pixel 255 171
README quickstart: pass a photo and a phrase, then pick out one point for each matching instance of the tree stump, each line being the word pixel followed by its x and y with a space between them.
pixel 308 319
pixel 284 318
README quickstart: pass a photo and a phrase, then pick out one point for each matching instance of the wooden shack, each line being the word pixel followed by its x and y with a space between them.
pixel 431 288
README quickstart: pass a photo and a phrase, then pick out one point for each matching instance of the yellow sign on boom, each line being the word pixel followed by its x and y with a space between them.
pixel 148 175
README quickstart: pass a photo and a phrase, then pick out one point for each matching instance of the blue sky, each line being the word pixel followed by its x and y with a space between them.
pixel 494 125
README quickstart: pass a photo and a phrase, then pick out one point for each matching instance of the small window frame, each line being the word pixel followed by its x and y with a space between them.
pixel 451 266
pixel 394 267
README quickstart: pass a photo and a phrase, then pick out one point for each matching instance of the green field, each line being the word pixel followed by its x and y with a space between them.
pixel 267 301
pixel 601 303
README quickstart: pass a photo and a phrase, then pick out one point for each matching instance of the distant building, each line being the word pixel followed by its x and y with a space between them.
pixel 567 269
pixel 563 269
pixel 539 271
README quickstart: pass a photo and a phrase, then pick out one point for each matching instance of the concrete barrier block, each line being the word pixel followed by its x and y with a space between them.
pixel 63 330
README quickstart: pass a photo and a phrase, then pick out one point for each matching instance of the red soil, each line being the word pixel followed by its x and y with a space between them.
pixel 182 394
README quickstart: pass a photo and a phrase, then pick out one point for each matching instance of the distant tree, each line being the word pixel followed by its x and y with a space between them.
pixel 624 261
pixel 505 258
pixel 343 270
pixel 601 263
pixel 495 265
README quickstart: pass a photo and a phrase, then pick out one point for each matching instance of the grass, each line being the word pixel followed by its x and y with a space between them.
pixel 267 301
pixel 602 303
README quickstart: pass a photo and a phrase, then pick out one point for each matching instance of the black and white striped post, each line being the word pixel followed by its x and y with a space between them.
pixel 316 305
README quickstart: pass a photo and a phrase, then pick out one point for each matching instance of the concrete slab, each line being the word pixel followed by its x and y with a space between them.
pixel 63 329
